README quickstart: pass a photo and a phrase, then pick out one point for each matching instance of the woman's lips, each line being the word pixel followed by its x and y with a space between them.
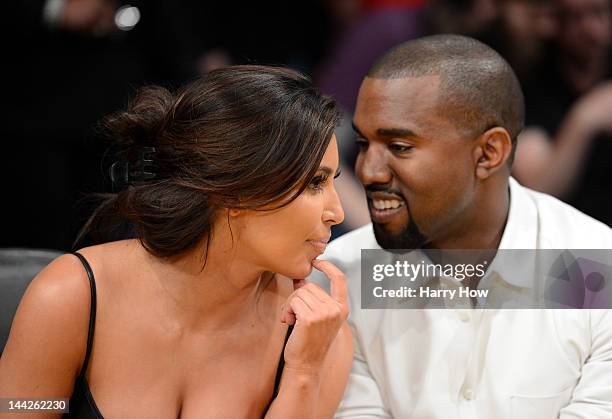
pixel 319 245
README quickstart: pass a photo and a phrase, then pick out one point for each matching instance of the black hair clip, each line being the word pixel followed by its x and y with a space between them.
pixel 124 172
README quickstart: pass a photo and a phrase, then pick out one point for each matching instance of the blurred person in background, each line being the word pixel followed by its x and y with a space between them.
pixel 70 63
pixel 567 147
pixel 386 24
pixel 522 32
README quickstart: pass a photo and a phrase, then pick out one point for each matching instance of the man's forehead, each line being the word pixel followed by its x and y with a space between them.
pixel 391 86
pixel 397 98
pixel 405 91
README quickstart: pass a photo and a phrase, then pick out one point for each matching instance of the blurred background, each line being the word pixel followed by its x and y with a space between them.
pixel 70 62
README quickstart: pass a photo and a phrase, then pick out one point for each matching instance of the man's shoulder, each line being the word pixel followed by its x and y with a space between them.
pixel 563 226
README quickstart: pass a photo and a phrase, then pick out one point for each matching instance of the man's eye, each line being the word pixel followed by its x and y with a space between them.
pixel 400 148
pixel 361 143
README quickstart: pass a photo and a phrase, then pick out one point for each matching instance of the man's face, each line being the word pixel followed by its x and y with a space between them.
pixel 416 165
pixel 585 28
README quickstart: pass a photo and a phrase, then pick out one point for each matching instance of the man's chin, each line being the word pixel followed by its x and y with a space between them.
pixel 404 241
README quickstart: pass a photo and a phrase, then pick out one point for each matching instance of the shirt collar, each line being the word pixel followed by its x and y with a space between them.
pixel 521 232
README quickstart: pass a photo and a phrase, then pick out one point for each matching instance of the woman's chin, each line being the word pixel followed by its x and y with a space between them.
pixel 299 272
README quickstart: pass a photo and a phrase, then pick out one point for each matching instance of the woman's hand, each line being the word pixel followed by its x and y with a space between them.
pixel 317 316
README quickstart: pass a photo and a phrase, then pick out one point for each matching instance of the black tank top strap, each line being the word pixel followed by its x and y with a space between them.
pixel 279 370
pixel 281 363
pixel 92 311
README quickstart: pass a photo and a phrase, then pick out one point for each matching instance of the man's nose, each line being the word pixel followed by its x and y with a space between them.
pixel 372 166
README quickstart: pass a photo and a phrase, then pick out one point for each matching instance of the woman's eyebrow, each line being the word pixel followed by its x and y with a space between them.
pixel 326 170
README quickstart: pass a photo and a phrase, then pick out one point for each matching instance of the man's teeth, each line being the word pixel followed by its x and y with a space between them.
pixel 386 204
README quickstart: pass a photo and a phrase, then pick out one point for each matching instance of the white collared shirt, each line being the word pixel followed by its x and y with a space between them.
pixel 489 364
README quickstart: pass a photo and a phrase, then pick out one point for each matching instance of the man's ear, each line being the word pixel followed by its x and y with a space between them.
pixel 492 151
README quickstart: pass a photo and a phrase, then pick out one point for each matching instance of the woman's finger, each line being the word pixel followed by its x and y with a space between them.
pixel 318 293
pixel 300 309
pixel 337 281
pixel 288 314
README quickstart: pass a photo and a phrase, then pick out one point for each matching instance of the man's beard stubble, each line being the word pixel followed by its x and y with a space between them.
pixel 409 238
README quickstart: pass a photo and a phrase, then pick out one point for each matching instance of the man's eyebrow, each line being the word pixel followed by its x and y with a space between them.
pixel 388 132
pixel 395 132
pixel 357 130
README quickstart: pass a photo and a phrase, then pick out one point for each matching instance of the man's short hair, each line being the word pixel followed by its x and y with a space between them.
pixel 478 88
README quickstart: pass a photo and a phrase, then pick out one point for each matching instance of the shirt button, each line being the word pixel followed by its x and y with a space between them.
pixel 468 394
pixel 464 316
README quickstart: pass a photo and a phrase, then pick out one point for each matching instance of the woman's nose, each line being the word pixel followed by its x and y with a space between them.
pixel 334 213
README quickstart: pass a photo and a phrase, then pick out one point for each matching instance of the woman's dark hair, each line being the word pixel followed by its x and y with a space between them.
pixel 238 137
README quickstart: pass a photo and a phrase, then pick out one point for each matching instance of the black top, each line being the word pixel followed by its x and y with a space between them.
pixel 82 403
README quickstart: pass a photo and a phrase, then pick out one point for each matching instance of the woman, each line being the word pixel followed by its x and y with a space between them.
pixel 229 193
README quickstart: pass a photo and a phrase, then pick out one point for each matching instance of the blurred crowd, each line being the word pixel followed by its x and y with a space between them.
pixel 70 62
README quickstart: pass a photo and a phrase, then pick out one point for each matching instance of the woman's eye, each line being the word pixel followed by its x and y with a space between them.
pixel 317 182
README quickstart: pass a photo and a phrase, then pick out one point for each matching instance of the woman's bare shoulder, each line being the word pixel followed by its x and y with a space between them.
pixel 114 263
pixel 60 287
pixel 55 307
pixel 48 337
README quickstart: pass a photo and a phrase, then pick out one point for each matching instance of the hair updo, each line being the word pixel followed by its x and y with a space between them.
pixel 239 137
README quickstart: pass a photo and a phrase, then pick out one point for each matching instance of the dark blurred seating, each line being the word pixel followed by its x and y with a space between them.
pixel 17 268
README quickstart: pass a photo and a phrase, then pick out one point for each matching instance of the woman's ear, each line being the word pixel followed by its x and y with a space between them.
pixel 492 152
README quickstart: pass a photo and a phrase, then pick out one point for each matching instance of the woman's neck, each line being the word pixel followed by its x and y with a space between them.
pixel 217 293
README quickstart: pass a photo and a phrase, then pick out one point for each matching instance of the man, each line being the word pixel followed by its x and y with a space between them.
pixel 437 120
